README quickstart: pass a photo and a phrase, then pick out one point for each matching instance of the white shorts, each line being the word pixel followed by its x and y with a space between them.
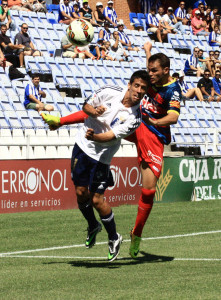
pixel 152 29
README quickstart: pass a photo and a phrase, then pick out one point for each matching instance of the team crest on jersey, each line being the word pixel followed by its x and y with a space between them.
pixel 118 120
pixel 176 96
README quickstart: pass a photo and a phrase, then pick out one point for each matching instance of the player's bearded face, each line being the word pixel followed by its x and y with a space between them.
pixel 137 90
pixel 157 73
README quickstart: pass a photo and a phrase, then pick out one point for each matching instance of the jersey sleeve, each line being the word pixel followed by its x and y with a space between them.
pixel 174 104
pixel 129 126
pixel 96 99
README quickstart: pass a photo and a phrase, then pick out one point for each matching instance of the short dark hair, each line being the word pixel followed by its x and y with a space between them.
pixel 217 71
pixel 35 75
pixel 143 74
pixel 23 24
pixel 162 58
pixel 3 25
pixel 207 71
pixel 153 9
pixel 176 75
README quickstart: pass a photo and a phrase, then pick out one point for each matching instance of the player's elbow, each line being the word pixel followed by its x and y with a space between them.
pixel 174 118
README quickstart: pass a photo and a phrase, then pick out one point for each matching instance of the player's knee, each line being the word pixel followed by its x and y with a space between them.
pixel 97 201
pixel 82 193
pixel 49 107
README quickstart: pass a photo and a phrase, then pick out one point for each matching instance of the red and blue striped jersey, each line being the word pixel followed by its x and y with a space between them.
pixel 159 101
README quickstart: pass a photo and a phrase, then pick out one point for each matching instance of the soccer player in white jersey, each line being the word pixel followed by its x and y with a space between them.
pixel 114 113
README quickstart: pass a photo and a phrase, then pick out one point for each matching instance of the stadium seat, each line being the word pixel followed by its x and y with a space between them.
pixel 6 136
pixel 18 136
pixel 64 152
pixel 51 152
pixel 134 19
pixel 39 152
pixel 202 121
pixel 14 152
pixel 177 135
pixel 142 19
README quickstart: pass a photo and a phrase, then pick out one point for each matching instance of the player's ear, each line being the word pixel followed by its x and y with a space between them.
pixel 128 86
pixel 166 70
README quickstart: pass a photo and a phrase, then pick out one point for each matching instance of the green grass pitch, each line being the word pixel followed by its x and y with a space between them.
pixel 174 261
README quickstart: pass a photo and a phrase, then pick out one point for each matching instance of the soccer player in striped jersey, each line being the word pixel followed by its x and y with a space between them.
pixel 180 13
pixel 114 113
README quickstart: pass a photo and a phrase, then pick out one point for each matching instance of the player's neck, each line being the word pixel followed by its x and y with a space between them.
pixel 165 80
pixel 126 101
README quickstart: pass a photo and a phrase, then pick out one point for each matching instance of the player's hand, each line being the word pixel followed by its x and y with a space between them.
pixel 100 110
pixel 148 120
pixel 52 121
pixel 90 134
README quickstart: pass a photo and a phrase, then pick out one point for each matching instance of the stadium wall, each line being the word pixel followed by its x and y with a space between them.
pixel 36 185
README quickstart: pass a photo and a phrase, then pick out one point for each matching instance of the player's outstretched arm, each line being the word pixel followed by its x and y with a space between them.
pixel 169 119
pixel 99 137
pixel 92 111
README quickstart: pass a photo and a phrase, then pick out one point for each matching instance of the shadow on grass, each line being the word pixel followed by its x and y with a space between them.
pixel 145 258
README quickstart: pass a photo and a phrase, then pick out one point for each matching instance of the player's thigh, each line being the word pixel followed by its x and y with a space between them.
pixel 149 179
pixel 101 178
pixel 80 167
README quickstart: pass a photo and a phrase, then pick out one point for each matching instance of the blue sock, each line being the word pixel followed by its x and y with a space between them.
pixel 110 226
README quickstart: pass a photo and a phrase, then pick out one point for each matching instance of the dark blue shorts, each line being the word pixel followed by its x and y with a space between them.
pixel 86 171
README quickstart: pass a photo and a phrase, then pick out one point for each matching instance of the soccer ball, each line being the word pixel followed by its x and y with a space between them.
pixel 80 32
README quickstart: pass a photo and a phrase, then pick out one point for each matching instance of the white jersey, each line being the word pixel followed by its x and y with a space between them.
pixel 120 119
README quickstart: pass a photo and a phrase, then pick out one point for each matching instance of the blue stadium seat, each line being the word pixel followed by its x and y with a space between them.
pixel 134 19
pixel 202 120
pixel 142 19
pixel 174 42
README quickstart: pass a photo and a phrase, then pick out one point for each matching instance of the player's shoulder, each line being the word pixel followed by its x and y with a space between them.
pixel 109 89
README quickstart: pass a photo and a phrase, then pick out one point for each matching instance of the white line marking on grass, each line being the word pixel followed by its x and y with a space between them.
pixel 101 258
pixel 199 259
pixel 54 256
pixel 181 235
pixel 104 243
